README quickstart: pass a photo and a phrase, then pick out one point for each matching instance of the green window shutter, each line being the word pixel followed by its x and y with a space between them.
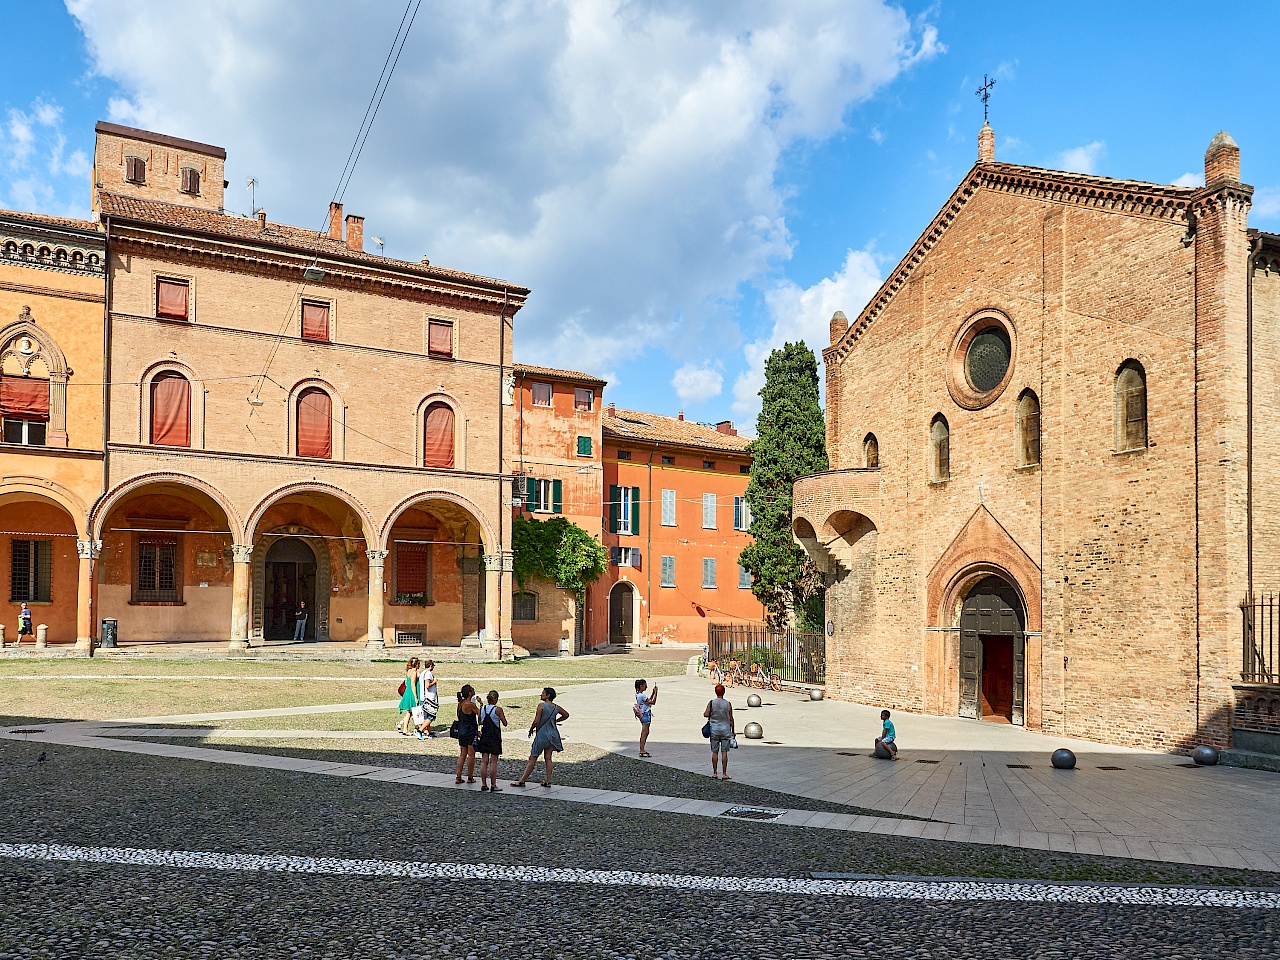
pixel 635 510
pixel 530 493
pixel 584 446
pixel 614 496
pixel 557 490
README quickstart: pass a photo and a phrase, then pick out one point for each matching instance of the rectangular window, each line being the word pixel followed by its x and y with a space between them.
pixel 315 321
pixel 439 339
pixel 135 169
pixel 708 573
pixel 31 571
pixel 668 461
pixel 542 394
pixel 413 573
pixel 741 514
pixel 744 468
pixel 584 446
pixel 29 432
pixel 708 511
pixel 624 454
pixel 744 578
pixel 524 607
pixel 190 181
pixel 172 299
pixel 625 556
pixel 668 571
pixel 158 570
pixel 542 500
pixel 624 509
pixel 708 464
pixel 668 508
pixel 583 398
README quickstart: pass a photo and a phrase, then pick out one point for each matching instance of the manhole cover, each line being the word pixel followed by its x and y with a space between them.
pixel 753 813
pixel 1111 768
pixel 32 730
pixel 846 753
pixel 1018 766
pixel 928 761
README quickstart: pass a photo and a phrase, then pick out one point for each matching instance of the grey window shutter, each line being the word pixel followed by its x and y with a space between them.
pixel 615 555
pixel 557 491
pixel 635 510
pixel 635 557
pixel 614 496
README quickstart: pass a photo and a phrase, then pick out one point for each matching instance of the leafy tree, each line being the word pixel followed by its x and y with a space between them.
pixel 790 443
pixel 556 550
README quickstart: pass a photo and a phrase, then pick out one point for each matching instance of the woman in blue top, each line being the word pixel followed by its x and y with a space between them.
pixel 545 721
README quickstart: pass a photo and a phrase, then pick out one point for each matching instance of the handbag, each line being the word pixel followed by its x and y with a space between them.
pixel 637 710
pixel 706 727
pixel 402 688
pixel 455 728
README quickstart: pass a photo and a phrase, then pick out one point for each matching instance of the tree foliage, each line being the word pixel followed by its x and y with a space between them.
pixel 556 550
pixel 790 443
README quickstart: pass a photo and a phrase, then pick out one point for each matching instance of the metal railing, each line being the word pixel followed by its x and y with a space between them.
pixel 795 657
pixel 1261 621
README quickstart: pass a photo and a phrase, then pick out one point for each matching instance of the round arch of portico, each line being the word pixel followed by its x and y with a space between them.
pixel 486 529
pixel 108 501
pixel 308 486
pixel 55 492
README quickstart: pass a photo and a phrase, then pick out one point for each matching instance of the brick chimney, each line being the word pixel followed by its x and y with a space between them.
pixel 611 410
pixel 726 427
pixel 986 144
pixel 355 233
pixel 839 324
pixel 680 415
pixel 335 221
pixel 262 218
pixel 1222 160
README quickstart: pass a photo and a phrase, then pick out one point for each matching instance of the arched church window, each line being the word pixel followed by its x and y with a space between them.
pixel 1028 429
pixel 870 452
pixel 171 410
pixel 315 424
pixel 1131 407
pixel 940 446
pixel 437 436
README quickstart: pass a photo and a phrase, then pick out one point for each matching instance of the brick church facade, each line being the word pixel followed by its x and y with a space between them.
pixel 1052 481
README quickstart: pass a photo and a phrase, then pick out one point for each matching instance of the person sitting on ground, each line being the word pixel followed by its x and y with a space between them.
pixel 719 714
pixel 644 711
pixel 887 736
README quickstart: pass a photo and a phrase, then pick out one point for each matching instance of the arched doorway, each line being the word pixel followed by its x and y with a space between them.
pixel 289 579
pixel 993 653
pixel 621 610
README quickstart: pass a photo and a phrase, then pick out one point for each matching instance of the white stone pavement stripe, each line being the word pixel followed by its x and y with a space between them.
pixel 1028 891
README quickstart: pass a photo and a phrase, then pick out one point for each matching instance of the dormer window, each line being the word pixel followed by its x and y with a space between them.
pixel 191 181
pixel 135 169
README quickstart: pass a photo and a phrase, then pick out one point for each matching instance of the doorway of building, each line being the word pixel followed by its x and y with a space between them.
pixel 993 653
pixel 621 601
pixel 290 579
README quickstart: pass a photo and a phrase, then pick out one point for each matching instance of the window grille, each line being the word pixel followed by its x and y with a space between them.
pixel 524 607
pixel 31 571
pixel 157 575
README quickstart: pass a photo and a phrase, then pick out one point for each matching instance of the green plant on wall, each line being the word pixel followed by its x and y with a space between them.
pixel 557 550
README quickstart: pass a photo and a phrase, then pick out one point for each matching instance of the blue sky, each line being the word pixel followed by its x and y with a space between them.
pixel 682 186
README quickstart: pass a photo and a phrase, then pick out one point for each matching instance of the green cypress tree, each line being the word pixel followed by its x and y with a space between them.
pixel 791 442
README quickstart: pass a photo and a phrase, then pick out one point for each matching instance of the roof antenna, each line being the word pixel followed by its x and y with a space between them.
pixel 253 209
pixel 382 247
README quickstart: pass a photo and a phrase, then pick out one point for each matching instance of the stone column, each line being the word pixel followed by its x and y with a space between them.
pixel 377 558
pixel 241 567
pixel 497 595
pixel 88 551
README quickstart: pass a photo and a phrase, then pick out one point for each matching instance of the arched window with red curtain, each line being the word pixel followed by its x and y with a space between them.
pixel 315 424
pixel 171 410
pixel 437 436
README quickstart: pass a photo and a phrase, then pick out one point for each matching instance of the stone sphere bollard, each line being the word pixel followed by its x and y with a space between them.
pixel 1063 759
pixel 753 731
pixel 881 752
pixel 753 700
pixel 816 693
pixel 1205 756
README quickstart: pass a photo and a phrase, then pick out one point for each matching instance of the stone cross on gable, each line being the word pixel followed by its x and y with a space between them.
pixel 984 92
pixel 982 489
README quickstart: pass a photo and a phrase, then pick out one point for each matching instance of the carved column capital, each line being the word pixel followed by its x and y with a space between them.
pixel 88 549
pixel 376 557
pixel 501 562
pixel 242 553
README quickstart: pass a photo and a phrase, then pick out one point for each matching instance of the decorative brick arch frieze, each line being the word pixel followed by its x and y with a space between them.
pixel 368 527
pixel 109 500
pixel 982 548
pixel 197 400
pixel 25 342
pixel 53 491
pixel 487 533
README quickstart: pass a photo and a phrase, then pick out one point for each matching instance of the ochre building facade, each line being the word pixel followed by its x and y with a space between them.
pixel 1048 437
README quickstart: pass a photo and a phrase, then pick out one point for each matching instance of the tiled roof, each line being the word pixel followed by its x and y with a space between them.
pixel 655 428
pixel 576 375
pixel 283 235
pixel 46 220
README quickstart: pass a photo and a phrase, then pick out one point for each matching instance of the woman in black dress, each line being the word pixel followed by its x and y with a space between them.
pixel 468 730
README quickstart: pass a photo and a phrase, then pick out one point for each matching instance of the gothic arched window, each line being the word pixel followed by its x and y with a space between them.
pixel 1028 429
pixel 1131 407
pixel 940 448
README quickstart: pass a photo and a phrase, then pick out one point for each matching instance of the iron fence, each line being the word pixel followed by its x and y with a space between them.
pixel 1261 616
pixel 797 657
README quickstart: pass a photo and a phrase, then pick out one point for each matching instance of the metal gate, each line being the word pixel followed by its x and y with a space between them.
pixel 992 609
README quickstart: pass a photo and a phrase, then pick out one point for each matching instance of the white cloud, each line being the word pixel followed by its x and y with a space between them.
pixel 32 146
pixel 805 314
pixel 1190 179
pixel 1083 159
pixel 619 158
pixel 695 383
pixel 1266 203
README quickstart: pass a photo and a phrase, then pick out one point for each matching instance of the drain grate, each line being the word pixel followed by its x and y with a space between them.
pixel 846 753
pixel 1111 768
pixel 33 730
pixel 928 761
pixel 753 813
pixel 1018 766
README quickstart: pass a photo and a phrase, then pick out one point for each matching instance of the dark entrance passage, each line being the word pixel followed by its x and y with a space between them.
pixel 290 578
pixel 993 653
pixel 620 609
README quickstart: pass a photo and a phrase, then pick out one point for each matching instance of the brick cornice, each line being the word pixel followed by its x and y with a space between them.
pixel 61 292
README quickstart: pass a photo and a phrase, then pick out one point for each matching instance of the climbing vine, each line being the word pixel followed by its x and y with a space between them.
pixel 556 550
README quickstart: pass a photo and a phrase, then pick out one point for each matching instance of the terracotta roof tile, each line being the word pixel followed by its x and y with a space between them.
pixel 655 428
pixel 44 218
pixel 283 235
pixel 536 371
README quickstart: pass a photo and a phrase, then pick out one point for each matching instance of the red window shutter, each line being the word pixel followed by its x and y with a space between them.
pixel 315 321
pixel 411 568
pixel 171 410
pixel 171 299
pixel 24 398
pixel 437 437
pixel 439 339
pixel 315 424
